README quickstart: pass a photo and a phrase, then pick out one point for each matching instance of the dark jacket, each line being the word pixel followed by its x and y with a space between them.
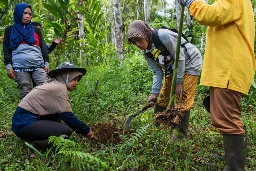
pixel 8 52
pixel 52 47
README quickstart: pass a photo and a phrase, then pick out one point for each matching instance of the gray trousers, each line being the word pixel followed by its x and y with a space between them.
pixel 24 79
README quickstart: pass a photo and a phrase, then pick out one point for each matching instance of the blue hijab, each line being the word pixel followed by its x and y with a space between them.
pixel 20 33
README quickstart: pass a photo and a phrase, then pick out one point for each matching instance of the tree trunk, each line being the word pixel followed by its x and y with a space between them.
pixel 146 11
pixel 118 30
pixel 80 16
pixel 112 23
pixel 203 37
pixel 165 10
pixel 137 10
pixel 178 8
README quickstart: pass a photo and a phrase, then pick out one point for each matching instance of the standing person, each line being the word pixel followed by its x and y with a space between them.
pixel 54 43
pixel 161 60
pixel 228 68
pixel 38 115
pixel 25 53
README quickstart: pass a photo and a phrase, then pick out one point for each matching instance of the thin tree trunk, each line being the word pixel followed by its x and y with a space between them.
pixel 112 23
pixel 146 11
pixel 81 33
pixel 178 8
pixel 137 10
pixel 118 30
pixel 165 10
pixel 203 36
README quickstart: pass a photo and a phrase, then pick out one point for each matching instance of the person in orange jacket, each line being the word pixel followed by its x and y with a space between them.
pixel 228 68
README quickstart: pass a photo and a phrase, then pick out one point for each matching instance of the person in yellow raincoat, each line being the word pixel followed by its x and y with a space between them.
pixel 228 68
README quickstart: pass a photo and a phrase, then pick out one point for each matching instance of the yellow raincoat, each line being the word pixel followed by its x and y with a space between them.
pixel 229 60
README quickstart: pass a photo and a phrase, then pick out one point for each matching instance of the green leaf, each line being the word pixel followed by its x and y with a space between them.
pixel 253 83
pixel 57 27
pixel 51 8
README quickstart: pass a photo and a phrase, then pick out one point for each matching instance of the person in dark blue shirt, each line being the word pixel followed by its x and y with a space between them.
pixel 39 114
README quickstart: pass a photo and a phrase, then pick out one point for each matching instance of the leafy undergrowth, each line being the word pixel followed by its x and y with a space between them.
pixel 104 105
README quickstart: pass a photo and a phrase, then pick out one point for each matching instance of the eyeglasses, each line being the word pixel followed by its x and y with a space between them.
pixel 29 13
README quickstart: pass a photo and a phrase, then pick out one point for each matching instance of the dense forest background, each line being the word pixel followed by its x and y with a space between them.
pixel 117 84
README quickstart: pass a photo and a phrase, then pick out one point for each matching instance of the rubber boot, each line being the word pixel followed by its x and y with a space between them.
pixel 41 144
pixel 235 152
pixel 182 128
pixel 159 108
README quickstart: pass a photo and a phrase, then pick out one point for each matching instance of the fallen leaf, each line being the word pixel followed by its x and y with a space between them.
pixel 2 135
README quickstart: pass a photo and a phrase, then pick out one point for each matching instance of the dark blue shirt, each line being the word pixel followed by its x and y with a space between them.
pixel 23 119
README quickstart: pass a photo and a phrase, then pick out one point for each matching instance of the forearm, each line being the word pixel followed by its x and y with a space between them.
pixel 219 13
pixel 157 75
pixel 74 123
pixel 6 50
pixel 52 47
pixel 181 70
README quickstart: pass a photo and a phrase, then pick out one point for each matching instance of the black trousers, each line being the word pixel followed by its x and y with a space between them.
pixel 44 128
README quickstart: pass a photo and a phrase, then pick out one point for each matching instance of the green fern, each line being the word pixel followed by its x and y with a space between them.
pixel 126 154
pixel 84 161
pixel 70 153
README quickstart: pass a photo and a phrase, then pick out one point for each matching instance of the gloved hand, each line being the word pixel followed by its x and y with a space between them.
pixel 186 3
pixel 152 98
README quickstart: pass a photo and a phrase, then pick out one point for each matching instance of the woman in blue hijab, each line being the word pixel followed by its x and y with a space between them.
pixel 25 54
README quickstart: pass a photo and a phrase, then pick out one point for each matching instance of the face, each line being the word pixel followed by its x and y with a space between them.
pixel 27 16
pixel 73 83
pixel 140 42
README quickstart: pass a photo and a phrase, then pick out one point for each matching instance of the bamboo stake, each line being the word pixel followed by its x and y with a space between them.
pixel 177 55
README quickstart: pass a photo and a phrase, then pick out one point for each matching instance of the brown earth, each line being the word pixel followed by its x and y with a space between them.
pixel 107 133
pixel 170 117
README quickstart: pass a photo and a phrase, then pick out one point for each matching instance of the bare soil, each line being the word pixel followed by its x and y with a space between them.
pixel 107 133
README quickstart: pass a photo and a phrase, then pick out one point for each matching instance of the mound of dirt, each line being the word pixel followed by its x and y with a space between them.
pixel 107 133
pixel 170 117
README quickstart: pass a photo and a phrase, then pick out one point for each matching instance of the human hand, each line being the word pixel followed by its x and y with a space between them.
pixel 91 135
pixel 57 40
pixel 47 69
pixel 178 89
pixel 11 74
pixel 186 3
pixel 152 98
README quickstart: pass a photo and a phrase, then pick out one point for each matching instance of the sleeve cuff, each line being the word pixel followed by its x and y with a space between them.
pixel 155 91
pixel 46 64
pixel 8 66
pixel 179 80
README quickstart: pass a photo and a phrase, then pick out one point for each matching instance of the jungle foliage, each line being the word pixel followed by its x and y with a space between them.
pixel 110 92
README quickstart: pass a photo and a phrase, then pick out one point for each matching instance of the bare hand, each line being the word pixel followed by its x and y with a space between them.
pixel 47 69
pixel 178 89
pixel 11 74
pixel 90 135
pixel 57 40
pixel 152 98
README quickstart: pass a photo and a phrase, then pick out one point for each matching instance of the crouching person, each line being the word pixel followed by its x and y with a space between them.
pixel 39 114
